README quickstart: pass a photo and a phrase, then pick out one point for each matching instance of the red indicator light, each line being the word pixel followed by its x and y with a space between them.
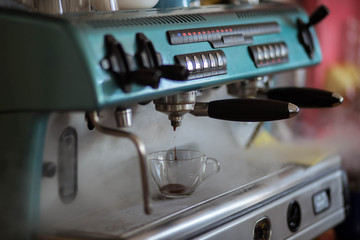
pixel 221 30
pixel 184 34
pixel 194 33
pixel 217 31
pixel 204 32
pixel 212 31
pixel 208 31
pixel 189 34
pixel 199 32
pixel 226 30
pixel 230 29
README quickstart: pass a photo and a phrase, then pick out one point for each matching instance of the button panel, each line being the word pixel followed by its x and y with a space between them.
pixel 203 64
pixel 269 54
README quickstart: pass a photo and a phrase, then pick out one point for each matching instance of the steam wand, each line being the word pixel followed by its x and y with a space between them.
pixel 141 152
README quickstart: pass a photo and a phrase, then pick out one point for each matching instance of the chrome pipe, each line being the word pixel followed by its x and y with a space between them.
pixel 140 146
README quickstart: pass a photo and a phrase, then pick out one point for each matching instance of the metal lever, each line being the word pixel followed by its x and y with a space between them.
pixel 141 152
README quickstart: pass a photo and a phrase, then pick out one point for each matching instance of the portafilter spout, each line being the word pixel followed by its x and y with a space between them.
pixel 241 110
pixel 176 106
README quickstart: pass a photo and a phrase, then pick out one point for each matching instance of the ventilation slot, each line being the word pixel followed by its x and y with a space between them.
pixel 266 12
pixel 147 21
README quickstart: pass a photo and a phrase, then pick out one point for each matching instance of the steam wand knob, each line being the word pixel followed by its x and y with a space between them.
pixel 305 36
pixel 148 58
pixel 118 63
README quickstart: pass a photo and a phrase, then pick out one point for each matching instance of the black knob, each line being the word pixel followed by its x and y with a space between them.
pixel 306 97
pixel 117 62
pixel 146 77
pixel 294 216
pixel 174 72
pixel 148 58
pixel 48 169
pixel 305 36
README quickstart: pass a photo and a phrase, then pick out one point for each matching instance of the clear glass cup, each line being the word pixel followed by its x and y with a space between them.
pixel 50 6
pixel 177 173
pixel 104 5
pixel 62 6
pixel 72 6
pixel 136 4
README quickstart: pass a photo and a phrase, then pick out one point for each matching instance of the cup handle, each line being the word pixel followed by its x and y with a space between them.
pixel 214 167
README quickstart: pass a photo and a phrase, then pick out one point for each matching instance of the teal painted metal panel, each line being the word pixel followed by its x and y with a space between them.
pixel 57 66
pixel 21 144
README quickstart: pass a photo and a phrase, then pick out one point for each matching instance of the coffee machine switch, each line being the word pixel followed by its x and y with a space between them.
pixel 118 63
pixel 304 35
pixel 148 58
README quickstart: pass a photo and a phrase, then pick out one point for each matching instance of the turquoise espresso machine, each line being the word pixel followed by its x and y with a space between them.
pixel 85 62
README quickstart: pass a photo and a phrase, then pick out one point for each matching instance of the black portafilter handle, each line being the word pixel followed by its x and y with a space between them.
pixel 306 97
pixel 246 110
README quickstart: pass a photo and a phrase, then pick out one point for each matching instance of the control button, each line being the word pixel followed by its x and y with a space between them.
pixel 196 38
pixel 220 60
pixel 266 52
pixel 200 36
pixel 212 60
pixel 294 216
pixel 205 61
pixel 260 54
pixel 321 201
pixel 284 50
pixel 262 229
pixel 272 51
pixel 269 54
pixel 189 64
pixel 203 64
pixel 277 51
pixel 197 63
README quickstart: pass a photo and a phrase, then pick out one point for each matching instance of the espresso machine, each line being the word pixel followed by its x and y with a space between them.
pixel 86 95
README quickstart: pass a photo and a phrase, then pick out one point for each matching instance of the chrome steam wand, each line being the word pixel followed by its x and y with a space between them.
pixel 94 118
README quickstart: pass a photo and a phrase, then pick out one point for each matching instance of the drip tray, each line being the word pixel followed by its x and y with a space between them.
pixel 296 198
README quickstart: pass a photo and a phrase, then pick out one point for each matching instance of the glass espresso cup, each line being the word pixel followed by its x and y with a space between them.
pixel 177 173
